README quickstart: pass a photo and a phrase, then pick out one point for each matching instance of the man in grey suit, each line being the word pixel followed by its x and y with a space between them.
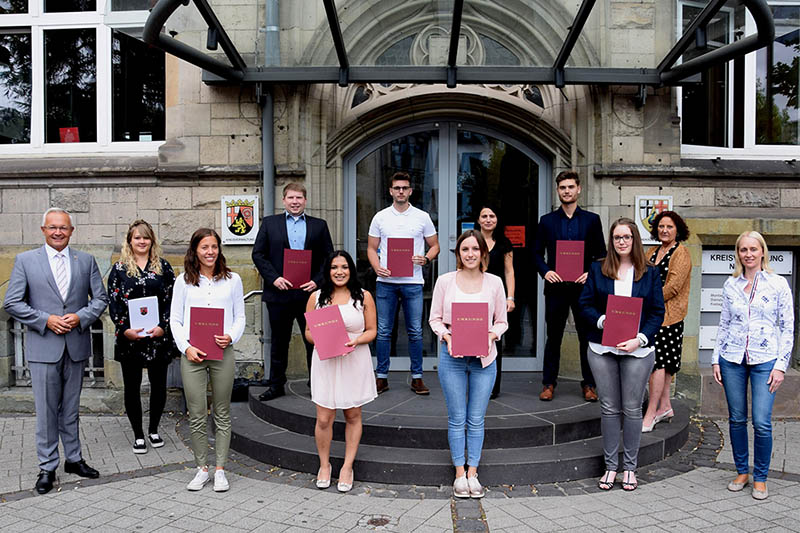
pixel 58 293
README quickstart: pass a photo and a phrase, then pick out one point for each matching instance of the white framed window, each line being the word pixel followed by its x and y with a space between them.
pixel 74 81
pixel 747 108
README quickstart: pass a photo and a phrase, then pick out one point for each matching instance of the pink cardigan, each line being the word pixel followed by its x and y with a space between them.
pixel 492 292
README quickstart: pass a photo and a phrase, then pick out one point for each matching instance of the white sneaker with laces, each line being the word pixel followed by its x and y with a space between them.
pixel 475 488
pixel 220 481
pixel 199 481
pixel 461 487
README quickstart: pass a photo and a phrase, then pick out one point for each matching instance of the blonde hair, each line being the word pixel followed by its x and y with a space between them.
pixel 129 259
pixel 739 268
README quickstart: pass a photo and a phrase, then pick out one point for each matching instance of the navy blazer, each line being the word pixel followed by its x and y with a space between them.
pixel 594 298
pixel 548 232
pixel 268 249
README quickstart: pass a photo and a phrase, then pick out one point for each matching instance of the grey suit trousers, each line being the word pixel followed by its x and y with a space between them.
pixel 57 396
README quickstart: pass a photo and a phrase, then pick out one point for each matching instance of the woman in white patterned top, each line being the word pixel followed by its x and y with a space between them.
pixel 754 341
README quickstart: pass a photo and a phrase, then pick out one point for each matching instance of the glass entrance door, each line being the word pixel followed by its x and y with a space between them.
pixel 455 169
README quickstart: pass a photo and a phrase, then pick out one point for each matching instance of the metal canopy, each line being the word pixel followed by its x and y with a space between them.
pixel 666 73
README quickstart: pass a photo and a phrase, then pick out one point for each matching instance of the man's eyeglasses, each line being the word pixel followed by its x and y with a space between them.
pixel 623 238
pixel 401 189
pixel 58 228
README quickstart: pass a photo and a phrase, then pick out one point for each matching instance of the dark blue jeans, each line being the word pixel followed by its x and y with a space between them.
pixel 387 296
pixel 734 379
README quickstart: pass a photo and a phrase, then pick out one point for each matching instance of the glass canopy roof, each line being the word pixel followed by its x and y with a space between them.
pixel 458 42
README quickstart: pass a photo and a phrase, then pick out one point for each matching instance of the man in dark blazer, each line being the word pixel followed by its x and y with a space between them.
pixel 58 293
pixel 570 223
pixel 296 230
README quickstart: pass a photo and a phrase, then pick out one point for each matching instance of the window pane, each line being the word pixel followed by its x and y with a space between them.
pixel 138 85
pixel 15 88
pixel 777 81
pixel 70 70
pixel 704 113
pixel 131 5
pixel 63 6
pixel 13 6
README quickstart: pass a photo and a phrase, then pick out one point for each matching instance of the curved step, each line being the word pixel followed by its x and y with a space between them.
pixel 567 461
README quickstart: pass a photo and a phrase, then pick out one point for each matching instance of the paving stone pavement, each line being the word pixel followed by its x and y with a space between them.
pixel 147 493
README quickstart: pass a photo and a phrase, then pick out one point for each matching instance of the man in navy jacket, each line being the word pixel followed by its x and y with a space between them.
pixel 570 223
pixel 296 230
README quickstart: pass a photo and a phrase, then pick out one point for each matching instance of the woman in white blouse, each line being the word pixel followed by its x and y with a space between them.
pixel 622 371
pixel 754 342
pixel 207 282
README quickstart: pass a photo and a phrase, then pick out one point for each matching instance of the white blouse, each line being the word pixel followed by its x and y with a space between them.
pixel 622 287
pixel 225 293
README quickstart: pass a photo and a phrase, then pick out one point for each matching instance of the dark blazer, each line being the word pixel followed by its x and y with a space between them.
pixel 549 231
pixel 595 293
pixel 272 239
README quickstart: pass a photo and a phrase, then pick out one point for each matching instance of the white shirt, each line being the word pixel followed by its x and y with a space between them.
pixel 51 257
pixel 225 293
pixel 622 287
pixel 412 222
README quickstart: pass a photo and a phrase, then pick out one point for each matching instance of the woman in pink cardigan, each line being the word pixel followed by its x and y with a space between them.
pixel 467 381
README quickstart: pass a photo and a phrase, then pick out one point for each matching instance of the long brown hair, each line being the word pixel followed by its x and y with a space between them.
pixel 191 264
pixel 129 259
pixel 611 262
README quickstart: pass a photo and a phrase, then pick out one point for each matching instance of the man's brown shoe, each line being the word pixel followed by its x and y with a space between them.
pixel 382 384
pixel 547 393
pixel 589 394
pixel 418 386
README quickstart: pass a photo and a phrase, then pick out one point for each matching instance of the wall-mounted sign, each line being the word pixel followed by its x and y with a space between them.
pixel 467 226
pixel 723 262
pixel 708 337
pixel 710 300
pixel 239 218
pixel 645 210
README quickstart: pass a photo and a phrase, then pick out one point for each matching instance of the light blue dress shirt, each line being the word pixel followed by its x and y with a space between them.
pixel 296 230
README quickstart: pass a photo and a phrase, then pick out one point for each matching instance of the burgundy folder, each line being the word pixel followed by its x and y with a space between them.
pixel 328 331
pixel 297 266
pixel 623 314
pixel 569 259
pixel 398 256
pixel 204 323
pixel 470 328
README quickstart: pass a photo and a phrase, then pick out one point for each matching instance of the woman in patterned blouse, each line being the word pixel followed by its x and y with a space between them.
pixel 142 272
pixel 754 341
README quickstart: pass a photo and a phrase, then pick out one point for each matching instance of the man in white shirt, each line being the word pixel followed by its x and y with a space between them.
pixel 400 220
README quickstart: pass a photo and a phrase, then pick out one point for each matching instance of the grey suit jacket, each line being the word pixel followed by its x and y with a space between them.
pixel 33 296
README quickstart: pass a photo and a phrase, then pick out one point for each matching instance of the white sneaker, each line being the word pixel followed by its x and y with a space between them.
pixel 220 481
pixel 199 481
pixel 475 488
pixel 461 487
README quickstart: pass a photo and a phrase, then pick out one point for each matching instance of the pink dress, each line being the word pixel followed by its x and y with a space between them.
pixel 347 381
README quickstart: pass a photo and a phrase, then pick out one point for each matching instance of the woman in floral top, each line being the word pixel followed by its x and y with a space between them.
pixel 754 341
pixel 142 272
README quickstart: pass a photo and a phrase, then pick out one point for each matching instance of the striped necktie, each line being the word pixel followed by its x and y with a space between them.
pixel 61 275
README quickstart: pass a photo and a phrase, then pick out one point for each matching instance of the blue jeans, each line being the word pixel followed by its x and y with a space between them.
pixel 466 386
pixel 410 296
pixel 734 379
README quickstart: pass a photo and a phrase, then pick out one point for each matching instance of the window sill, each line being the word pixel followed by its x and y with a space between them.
pixel 760 152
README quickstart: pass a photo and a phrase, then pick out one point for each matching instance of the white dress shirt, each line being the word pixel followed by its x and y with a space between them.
pixel 225 293
pixel 51 257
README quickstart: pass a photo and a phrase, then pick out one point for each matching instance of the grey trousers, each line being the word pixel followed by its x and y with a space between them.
pixel 57 398
pixel 621 380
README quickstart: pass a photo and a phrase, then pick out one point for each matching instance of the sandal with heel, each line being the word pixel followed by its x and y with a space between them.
pixel 605 483
pixel 627 484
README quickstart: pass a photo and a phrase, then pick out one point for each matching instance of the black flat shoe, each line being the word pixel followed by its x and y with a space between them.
pixel 271 393
pixel 81 468
pixel 44 483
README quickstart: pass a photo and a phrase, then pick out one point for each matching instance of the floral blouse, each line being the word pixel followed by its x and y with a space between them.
pixel 121 289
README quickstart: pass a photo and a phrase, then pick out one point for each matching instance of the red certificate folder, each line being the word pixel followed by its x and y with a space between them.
pixel 204 323
pixel 569 259
pixel 622 319
pixel 328 331
pixel 398 256
pixel 297 266
pixel 470 328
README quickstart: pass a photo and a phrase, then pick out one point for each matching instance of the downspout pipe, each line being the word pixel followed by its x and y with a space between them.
pixel 272 57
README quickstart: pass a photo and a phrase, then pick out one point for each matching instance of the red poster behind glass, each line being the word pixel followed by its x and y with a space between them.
pixel 398 256
pixel 622 319
pixel 328 331
pixel 297 266
pixel 470 328
pixel 569 259
pixel 204 323
pixel 69 135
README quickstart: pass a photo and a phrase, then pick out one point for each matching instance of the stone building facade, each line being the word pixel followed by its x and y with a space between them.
pixel 342 144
